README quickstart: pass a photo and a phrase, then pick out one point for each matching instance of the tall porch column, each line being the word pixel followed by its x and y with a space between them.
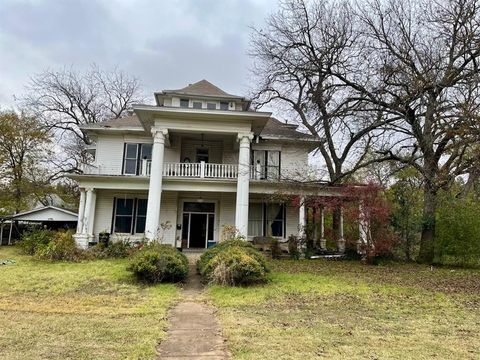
pixel 364 230
pixel 341 239
pixel 81 211
pixel 323 241
pixel 152 222
pixel 302 220
pixel 243 184
pixel 91 215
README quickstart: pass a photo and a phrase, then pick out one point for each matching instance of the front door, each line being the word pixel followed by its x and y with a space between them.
pixel 198 224
pixel 198 230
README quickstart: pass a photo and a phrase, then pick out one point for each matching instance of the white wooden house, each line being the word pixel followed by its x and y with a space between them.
pixel 182 169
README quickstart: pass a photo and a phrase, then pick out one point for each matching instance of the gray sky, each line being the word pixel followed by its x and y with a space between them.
pixel 165 43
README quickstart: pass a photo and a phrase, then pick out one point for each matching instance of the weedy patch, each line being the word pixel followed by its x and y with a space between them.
pixel 315 309
pixel 88 310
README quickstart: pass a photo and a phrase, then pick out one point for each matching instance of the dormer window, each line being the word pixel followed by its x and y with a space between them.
pixel 184 103
pixel 223 105
pixel 197 104
pixel 211 106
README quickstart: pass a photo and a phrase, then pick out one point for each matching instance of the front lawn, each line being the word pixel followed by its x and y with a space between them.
pixel 345 310
pixel 89 310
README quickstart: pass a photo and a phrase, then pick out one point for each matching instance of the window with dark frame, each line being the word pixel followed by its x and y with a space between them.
pixel 129 215
pixel 134 156
pixel 267 219
pixel 211 106
pixel 197 104
pixel 266 164
pixel 184 103
pixel 223 105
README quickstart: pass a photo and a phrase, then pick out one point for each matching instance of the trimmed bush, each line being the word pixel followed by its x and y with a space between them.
pixel 233 262
pixel 61 248
pixel 34 239
pixel 155 263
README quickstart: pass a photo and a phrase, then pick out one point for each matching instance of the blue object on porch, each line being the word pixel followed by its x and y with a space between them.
pixel 211 243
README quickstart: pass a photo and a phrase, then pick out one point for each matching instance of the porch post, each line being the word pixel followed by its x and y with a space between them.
pixel 341 239
pixel 81 211
pixel 89 213
pixel 302 220
pixel 364 230
pixel 243 184
pixel 152 222
pixel 323 241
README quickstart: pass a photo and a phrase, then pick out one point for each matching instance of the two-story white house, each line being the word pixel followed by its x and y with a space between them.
pixel 182 169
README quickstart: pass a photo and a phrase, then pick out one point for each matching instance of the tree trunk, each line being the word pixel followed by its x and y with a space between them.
pixel 427 241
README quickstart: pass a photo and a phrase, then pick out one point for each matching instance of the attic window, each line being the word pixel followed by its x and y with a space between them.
pixel 197 104
pixel 211 106
pixel 184 103
pixel 223 105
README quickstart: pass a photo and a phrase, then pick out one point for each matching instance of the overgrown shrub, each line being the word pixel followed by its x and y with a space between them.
pixel 211 252
pixel 115 249
pixel 275 249
pixel 34 239
pixel 233 262
pixel 293 250
pixel 61 248
pixel 155 263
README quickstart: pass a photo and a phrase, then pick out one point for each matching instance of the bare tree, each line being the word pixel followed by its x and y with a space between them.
pixel 423 60
pixel 293 56
pixel 66 99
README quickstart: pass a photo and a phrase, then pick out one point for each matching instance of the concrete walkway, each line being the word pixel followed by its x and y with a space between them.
pixel 194 332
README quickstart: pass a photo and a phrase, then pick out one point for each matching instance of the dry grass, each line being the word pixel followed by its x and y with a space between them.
pixel 345 310
pixel 90 310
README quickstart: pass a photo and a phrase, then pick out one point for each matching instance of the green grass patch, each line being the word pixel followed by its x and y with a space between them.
pixel 345 310
pixel 88 310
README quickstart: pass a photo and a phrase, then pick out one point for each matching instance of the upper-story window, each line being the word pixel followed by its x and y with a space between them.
pixel 211 106
pixel 197 104
pixel 223 105
pixel 266 164
pixel 184 103
pixel 137 159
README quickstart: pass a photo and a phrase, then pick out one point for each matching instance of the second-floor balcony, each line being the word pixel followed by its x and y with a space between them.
pixel 198 170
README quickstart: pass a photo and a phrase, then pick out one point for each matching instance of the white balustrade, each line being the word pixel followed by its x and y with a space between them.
pixel 201 170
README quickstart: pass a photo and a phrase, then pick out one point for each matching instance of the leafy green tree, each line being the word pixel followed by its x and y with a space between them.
pixel 23 158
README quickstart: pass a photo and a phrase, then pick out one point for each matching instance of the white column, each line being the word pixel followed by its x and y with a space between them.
pixel 243 184
pixel 323 241
pixel 341 239
pixel 363 229
pixel 302 220
pixel 86 213
pixel 81 211
pixel 152 222
pixel 91 218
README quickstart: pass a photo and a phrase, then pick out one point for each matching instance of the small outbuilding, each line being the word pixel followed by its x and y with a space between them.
pixel 50 217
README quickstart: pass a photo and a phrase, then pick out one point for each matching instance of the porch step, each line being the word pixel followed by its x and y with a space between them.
pixel 193 255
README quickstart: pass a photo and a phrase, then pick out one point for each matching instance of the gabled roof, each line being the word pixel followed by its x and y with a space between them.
pixel 46 213
pixel 202 88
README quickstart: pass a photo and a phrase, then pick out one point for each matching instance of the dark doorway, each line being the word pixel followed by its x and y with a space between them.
pixel 198 230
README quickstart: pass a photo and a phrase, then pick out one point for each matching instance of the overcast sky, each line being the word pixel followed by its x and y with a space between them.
pixel 165 43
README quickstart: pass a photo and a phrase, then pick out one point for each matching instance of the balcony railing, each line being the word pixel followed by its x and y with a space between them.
pixel 200 170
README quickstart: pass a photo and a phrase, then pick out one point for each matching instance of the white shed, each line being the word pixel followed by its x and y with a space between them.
pixel 50 216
